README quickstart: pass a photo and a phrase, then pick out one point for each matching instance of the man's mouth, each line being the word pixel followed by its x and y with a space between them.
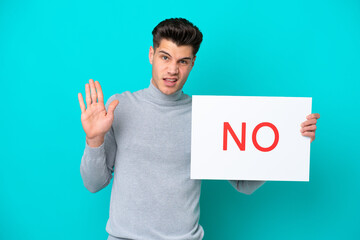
pixel 170 82
pixel 170 79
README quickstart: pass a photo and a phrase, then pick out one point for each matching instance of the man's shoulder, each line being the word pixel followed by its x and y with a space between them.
pixel 116 96
pixel 187 95
pixel 126 96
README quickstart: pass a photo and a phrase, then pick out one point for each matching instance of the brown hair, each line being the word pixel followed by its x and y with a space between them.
pixel 180 31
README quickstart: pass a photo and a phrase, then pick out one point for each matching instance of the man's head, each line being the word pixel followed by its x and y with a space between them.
pixel 176 42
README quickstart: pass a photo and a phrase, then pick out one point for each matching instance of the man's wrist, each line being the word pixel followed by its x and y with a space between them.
pixel 95 142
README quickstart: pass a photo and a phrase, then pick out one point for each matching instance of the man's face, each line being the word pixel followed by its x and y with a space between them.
pixel 171 65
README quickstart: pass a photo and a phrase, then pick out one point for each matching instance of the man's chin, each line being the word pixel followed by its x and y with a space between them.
pixel 168 92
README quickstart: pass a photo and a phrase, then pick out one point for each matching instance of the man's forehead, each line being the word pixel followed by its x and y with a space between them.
pixel 170 47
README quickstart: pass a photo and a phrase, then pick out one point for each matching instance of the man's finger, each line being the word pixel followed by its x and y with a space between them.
pixel 313 116
pixel 112 107
pixel 99 92
pixel 308 128
pixel 308 122
pixel 81 101
pixel 87 96
pixel 309 134
pixel 93 91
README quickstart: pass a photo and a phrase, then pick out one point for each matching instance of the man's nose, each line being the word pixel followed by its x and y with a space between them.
pixel 173 68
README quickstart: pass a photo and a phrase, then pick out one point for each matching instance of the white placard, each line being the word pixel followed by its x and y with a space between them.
pixel 258 157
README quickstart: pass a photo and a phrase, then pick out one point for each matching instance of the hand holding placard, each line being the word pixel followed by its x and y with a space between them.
pixel 308 127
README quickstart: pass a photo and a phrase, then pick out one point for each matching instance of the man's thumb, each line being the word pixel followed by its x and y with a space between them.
pixel 112 107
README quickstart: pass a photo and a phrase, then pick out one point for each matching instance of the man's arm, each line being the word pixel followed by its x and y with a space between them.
pixel 97 163
pixel 247 187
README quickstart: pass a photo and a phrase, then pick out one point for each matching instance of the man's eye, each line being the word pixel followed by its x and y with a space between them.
pixel 164 57
pixel 183 62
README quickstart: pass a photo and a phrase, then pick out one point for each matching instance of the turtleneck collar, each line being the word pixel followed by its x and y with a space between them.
pixel 155 95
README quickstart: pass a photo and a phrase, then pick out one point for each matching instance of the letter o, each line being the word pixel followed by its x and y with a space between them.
pixel 276 132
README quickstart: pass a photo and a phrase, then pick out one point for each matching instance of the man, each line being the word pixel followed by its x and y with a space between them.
pixel 144 139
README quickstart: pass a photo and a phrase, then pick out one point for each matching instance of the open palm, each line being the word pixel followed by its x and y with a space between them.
pixel 95 120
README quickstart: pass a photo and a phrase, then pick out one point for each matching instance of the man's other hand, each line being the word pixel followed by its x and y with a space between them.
pixel 308 127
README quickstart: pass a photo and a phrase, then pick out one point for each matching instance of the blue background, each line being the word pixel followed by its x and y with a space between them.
pixel 50 49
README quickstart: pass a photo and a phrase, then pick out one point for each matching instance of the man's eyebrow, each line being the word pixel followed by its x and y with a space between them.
pixel 185 58
pixel 162 51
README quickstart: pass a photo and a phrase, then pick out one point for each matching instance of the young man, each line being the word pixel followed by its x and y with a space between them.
pixel 144 139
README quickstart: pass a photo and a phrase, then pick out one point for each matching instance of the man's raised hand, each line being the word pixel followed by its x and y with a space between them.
pixel 95 120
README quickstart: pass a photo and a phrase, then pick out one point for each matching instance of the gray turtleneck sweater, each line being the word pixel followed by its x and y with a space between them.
pixel 148 151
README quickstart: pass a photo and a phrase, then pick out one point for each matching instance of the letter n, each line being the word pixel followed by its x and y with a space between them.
pixel 241 144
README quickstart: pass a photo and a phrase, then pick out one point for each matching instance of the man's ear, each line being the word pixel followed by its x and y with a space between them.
pixel 151 55
pixel 193 61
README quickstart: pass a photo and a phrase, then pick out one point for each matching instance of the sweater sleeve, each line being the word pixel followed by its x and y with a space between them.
pixel 247 187
pixel 97 163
